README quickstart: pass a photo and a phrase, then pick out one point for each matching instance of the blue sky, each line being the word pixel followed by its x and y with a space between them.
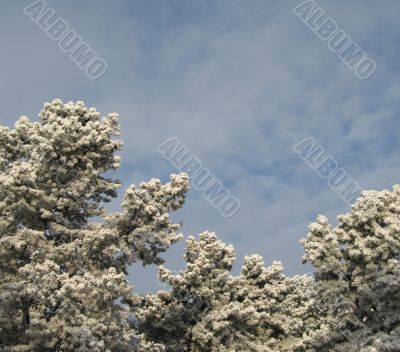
pixel 239 83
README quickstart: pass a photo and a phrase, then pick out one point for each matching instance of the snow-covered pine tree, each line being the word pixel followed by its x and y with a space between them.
pixel 64 260
pixel 62 276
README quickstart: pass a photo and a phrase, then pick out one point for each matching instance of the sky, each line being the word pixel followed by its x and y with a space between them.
pixel 239 83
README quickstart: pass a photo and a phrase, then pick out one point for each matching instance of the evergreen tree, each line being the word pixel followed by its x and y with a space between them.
pixel 64 260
